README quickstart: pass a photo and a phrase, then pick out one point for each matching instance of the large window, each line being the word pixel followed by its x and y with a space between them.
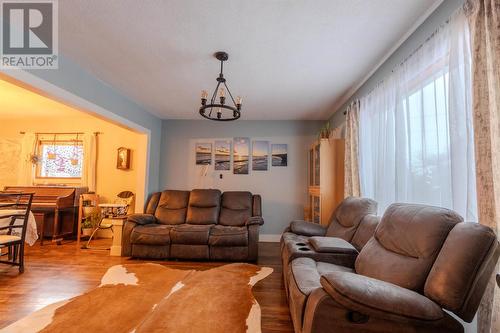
pixel 416 135
pixel 60 159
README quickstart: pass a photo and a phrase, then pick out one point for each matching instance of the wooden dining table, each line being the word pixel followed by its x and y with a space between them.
pixel 31 231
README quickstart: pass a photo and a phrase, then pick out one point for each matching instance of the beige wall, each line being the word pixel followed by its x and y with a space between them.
pixel 110 180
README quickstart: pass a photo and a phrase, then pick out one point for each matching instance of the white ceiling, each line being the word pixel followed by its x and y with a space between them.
pixel 288 59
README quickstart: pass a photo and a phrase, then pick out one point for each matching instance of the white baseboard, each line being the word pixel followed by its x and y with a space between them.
pixel 270 238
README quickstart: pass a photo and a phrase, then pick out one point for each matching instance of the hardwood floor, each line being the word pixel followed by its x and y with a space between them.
pixel 53 273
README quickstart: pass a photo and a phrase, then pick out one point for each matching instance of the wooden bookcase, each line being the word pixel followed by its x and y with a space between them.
pixel 326 179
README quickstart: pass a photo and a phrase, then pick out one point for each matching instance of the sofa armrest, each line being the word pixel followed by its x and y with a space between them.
pixel 128 227
pixel 332 245
pixel 378 298
pixel 304 228
pixel 254 220
pixel 142 219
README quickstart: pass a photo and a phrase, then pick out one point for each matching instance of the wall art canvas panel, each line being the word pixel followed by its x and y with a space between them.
pixel 260 155
pixel 279 155
pixel 203 153
pixel 241 152
pixel 222 155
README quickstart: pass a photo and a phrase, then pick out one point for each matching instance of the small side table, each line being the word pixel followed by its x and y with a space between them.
pixel 117 222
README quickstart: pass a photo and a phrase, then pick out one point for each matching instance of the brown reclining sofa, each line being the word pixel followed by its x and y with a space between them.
pixel 421 261
pixel 352 224
pixel 197 224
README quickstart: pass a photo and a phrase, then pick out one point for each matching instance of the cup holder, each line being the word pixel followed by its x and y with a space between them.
pixel 300 244
pixel 304 249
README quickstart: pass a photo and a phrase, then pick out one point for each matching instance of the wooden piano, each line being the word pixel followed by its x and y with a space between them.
pixel 55 209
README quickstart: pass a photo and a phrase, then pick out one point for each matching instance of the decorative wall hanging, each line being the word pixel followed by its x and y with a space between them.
pixel 241 150
pixel 222 155
pixel 51 155
pixel 260 155
pixel 279 155
pixel 74 158
pixel 203 153
pixel 218 109
pixel 123 158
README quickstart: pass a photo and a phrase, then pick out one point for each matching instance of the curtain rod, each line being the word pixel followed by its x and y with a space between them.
pixel 61 133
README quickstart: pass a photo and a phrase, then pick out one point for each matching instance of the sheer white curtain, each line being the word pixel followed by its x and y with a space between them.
pixel 89 160
pixel 416 136
pixel 25 172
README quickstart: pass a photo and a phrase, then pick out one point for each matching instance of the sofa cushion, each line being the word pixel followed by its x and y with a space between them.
pixel 204 207
pixel 375 297
pixel 365 231
pixel 190 234
pixel 464 265
pixel 172 207
pixel 228 236
pixel 152 203
pixel 236 208
pixel 348 215
pixel 406 243
pixel 331 244
pixel 307 273
pixel 151 234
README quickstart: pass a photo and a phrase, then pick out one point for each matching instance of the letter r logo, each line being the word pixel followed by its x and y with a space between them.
pixel 27 27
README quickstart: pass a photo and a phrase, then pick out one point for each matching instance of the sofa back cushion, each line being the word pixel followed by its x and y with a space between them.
pixel 406 243
pixel 463 268
pixel 236 208
pixel 204 207
pixel 152 203
pixel 348 215
pixel 365 231
pixel 172 207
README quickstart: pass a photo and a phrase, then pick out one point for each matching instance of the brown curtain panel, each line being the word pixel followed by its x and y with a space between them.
pixel 484 22
pixel 351 166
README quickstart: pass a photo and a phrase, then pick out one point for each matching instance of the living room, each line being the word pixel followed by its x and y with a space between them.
pixel 233 166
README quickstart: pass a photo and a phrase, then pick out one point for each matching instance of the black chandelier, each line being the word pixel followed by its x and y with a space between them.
pixel 223 111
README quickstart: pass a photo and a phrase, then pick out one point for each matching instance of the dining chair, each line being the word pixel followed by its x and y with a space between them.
pixel 15 208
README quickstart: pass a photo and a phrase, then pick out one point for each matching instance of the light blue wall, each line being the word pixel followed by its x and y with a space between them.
pixel 283 189
pixel 72 78
pixel 431 24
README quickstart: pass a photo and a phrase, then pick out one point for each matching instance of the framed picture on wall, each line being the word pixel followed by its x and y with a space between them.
pixel 222 155
pixel 279 155
pixel 260 155
pixel 241 154
pixel 203 153
pixel 123 158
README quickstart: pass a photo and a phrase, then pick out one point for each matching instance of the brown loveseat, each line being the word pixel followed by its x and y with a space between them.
pixel 421 261
pixel 197 224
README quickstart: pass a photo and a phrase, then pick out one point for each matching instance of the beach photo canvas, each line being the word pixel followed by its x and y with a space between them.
pixel 279 155
pixel 260 155
pixel 203 153
pixel 222 155
pixel 241 151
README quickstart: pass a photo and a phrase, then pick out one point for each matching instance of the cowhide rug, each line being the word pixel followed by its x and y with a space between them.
pixel 153 298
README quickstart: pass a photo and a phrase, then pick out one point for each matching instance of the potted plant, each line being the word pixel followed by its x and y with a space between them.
pixel 90 222
pixel 325 131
